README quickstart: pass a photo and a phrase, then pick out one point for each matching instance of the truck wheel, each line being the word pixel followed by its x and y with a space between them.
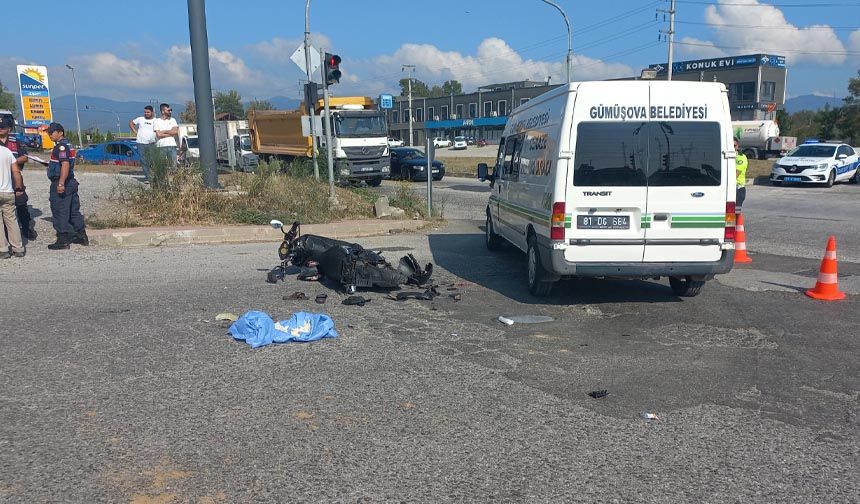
pixel 536 272
pixel 686 286
pixel 750 153
pixel 494 241
pixel 831 179
pixel 374 182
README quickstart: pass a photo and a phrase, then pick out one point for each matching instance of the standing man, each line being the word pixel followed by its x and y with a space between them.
pixel 10 178
pixel 144 128
pixel 741 165
pixel 7 140
pixel 65 203
pixel 166 129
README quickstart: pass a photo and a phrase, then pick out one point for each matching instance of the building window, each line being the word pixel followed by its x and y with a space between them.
pixel 502 107
pixel 473 110
pixel 431 112
pixel 768 89
pixel 488 108
pixel 523 101
pixel 742 91
pixel 459 109
pixel 443 114
pixel 394 117
pixel 419 115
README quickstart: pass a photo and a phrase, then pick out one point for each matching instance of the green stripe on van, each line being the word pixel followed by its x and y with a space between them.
pixel 698 224
pixel 699 218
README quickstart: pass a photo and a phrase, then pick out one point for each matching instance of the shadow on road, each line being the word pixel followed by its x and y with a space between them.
pixel 465 256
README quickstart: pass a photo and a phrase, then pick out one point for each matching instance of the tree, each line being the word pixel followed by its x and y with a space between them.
pixel 783 119
pixel 229 103
pixel 849 118
pixel 260 105
pixel 419 89
pixel 452 87
pixel 826 119
pixel 189 115
pixel 804 124
pixel 7 100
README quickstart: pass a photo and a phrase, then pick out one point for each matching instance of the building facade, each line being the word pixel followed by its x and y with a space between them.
pixel 756 82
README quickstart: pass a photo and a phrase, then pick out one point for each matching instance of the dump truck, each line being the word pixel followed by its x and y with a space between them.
pixel 233 145
pixel 359 137
pixel 761 139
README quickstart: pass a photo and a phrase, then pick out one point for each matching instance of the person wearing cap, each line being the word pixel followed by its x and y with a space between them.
pixel 166 129
pixel 65 203
pixel 7 122
pixel 144 128
pixel 741 165
pixel 10 177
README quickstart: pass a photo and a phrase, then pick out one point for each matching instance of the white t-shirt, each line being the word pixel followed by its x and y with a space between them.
pixel 166 125
pixel 145 130
pixel 6 160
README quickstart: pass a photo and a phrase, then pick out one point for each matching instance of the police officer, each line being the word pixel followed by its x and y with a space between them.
pixel 741 165
pixel 8 140
pixel 65 203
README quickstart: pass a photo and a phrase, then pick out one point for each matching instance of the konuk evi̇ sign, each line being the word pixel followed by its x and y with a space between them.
pixel 35 95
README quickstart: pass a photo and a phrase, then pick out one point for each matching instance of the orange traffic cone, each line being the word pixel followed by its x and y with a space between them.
pixel 827 286
pixel 741 242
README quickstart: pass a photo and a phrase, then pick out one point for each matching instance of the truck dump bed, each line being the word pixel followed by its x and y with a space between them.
pixel 278 132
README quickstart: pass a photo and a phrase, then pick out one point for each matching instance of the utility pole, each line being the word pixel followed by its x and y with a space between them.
pixel 569 59
pixel 77 115
pixel 411 69
pixel 202 90
pixel 311 106
pixel 671 34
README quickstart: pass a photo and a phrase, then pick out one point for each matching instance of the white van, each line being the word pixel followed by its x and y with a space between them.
pixel 629 179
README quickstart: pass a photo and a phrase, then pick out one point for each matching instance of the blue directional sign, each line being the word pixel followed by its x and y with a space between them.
pixel 386 101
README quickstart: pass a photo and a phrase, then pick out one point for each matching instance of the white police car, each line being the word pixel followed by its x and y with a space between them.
pixel 817 163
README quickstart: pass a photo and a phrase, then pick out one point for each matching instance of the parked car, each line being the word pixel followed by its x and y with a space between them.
pixel 441 142
pixel 110 153
pixel 394 142
pixel 817 163
pixel 470 140
pixel 409 163
pixel 459 143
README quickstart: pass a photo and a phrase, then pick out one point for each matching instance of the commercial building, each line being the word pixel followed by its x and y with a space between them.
pixel 756 82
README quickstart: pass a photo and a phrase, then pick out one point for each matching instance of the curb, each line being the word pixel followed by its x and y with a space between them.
pixel 160 236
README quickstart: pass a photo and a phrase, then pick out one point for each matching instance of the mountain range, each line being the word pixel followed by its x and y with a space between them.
pixel 112 115
pixel 811 102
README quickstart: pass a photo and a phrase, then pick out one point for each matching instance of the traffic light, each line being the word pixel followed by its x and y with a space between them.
pixel 332 68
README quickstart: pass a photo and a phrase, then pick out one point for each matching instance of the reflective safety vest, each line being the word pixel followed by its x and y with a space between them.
pixel 741 165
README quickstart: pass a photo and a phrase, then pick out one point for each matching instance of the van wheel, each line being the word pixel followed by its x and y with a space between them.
pixel 494 241
pixel 686 286
pixel 831 179
pixel 536 271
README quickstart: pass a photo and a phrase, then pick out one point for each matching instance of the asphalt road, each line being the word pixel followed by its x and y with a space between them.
pixel 117 385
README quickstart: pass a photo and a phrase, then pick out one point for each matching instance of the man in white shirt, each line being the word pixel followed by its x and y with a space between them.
pixel 10 178
pixel 166 129
pixel 144 128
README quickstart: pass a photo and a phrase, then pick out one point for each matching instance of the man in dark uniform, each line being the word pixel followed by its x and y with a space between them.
pixel 65 203
pixel 8 140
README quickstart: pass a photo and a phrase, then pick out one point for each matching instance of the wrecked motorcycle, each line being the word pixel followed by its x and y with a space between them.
pixel 350 264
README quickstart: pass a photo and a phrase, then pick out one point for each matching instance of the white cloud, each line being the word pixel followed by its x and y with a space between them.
pixel 696 48
pixel 773 34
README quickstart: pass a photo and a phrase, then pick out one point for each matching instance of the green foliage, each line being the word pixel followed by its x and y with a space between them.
pixel 189 115
pixel 419 89
pixel 260 105
pixel 452 87
pixel 783 119
pixel 230 103
pixel 7 100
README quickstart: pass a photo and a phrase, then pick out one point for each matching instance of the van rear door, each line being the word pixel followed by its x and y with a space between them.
pixel 688 177
pixel 609 197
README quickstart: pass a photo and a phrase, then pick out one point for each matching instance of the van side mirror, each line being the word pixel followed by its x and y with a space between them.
pixel 483 172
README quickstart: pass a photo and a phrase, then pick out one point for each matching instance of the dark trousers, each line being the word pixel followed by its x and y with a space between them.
pixel 23 212
pixel 66 209
pixel 739 199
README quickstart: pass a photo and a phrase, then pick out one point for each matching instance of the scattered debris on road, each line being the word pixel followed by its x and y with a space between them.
pixel 505 320
pixel 356 301
pixel 232 317
pixel 530 319
pixel 647 415
pixel 598 394
pixel 258 329
pixel 296 295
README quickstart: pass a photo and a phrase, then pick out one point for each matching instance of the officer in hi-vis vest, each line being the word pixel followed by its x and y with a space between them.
pixel 741 165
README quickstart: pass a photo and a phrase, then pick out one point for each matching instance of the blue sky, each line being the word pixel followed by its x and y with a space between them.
pixel 140 50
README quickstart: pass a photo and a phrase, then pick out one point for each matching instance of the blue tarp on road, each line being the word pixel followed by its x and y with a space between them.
pixel 258 329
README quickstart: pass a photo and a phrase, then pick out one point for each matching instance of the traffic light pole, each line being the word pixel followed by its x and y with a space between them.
pixel 327 127
pixel 310 106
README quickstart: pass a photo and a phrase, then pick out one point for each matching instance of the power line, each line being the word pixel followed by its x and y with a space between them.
pixel 763 27
pixel 781 5
pixel 776 51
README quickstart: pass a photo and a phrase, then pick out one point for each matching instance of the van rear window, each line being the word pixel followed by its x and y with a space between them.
pixel 660 154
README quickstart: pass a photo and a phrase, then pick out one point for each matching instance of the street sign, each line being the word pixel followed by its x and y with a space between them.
pixel 298 58
pixel 35 96
pixel 386 101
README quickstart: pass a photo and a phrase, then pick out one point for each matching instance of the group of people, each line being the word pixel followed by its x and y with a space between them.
pixel 155 134
pixel 63 196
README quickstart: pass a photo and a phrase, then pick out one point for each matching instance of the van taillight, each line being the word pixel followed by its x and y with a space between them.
pixel 556 229
pixel 731 221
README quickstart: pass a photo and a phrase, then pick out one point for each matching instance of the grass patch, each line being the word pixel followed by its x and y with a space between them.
pixel 464 166
pixel 759 168
pixel 178 197
pixel 112 221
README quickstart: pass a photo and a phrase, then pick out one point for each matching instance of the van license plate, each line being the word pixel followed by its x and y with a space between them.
pixel 603 222
pixel 792 179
